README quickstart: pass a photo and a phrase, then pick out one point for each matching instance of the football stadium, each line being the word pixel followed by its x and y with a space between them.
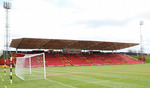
pixel 73 64
pixel 37 62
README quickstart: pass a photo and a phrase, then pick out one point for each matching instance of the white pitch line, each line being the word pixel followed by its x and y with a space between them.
pixel 5 86
pixel 61 83
pixel 2 79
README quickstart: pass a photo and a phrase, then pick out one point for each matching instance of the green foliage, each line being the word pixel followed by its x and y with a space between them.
pixel 147 58
pixel 108 76
pixel 1 57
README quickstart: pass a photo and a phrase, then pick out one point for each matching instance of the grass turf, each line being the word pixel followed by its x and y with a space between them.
pixel 108 76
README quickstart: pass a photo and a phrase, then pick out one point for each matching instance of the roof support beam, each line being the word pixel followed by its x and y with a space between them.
pixel 20 43
pixel 44 44
pixel 110 46
pixel 93 45
pixel 70 44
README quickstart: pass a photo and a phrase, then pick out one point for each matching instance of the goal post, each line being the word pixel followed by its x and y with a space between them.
pixel 31 67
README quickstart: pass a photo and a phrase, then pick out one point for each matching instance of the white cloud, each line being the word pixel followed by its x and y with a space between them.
pixel 44 19
pixel 112 9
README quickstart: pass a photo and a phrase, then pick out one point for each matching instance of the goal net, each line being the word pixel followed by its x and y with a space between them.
pixel 31 67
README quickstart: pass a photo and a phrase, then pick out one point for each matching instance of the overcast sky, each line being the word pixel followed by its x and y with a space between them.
pixel 100 20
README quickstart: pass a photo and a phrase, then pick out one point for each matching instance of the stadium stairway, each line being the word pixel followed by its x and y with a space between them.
pixel 54 60
pixel 86 62
pixel 65 60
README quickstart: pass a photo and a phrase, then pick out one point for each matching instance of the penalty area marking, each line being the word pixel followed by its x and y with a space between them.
pixel 3 81
pixel 2 78
pixel 61 83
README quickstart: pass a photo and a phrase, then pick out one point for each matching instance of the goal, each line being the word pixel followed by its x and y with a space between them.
pixel 31 67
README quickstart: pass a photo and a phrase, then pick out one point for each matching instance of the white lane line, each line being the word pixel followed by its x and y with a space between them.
pixel 61 83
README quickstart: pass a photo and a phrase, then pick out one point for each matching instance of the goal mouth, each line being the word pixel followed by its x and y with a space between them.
pixel 31 67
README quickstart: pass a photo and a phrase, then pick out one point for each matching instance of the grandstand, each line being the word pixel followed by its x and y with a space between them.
pixel 71 54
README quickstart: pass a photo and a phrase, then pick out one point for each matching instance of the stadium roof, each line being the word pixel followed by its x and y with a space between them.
pixel 37 43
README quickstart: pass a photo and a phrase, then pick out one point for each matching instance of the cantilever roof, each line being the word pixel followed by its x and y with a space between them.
pixel 37 43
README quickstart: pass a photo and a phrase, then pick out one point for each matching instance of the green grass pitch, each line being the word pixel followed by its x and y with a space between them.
pixel 108 76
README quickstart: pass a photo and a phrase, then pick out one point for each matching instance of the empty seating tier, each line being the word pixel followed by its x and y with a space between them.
pixel 82 59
